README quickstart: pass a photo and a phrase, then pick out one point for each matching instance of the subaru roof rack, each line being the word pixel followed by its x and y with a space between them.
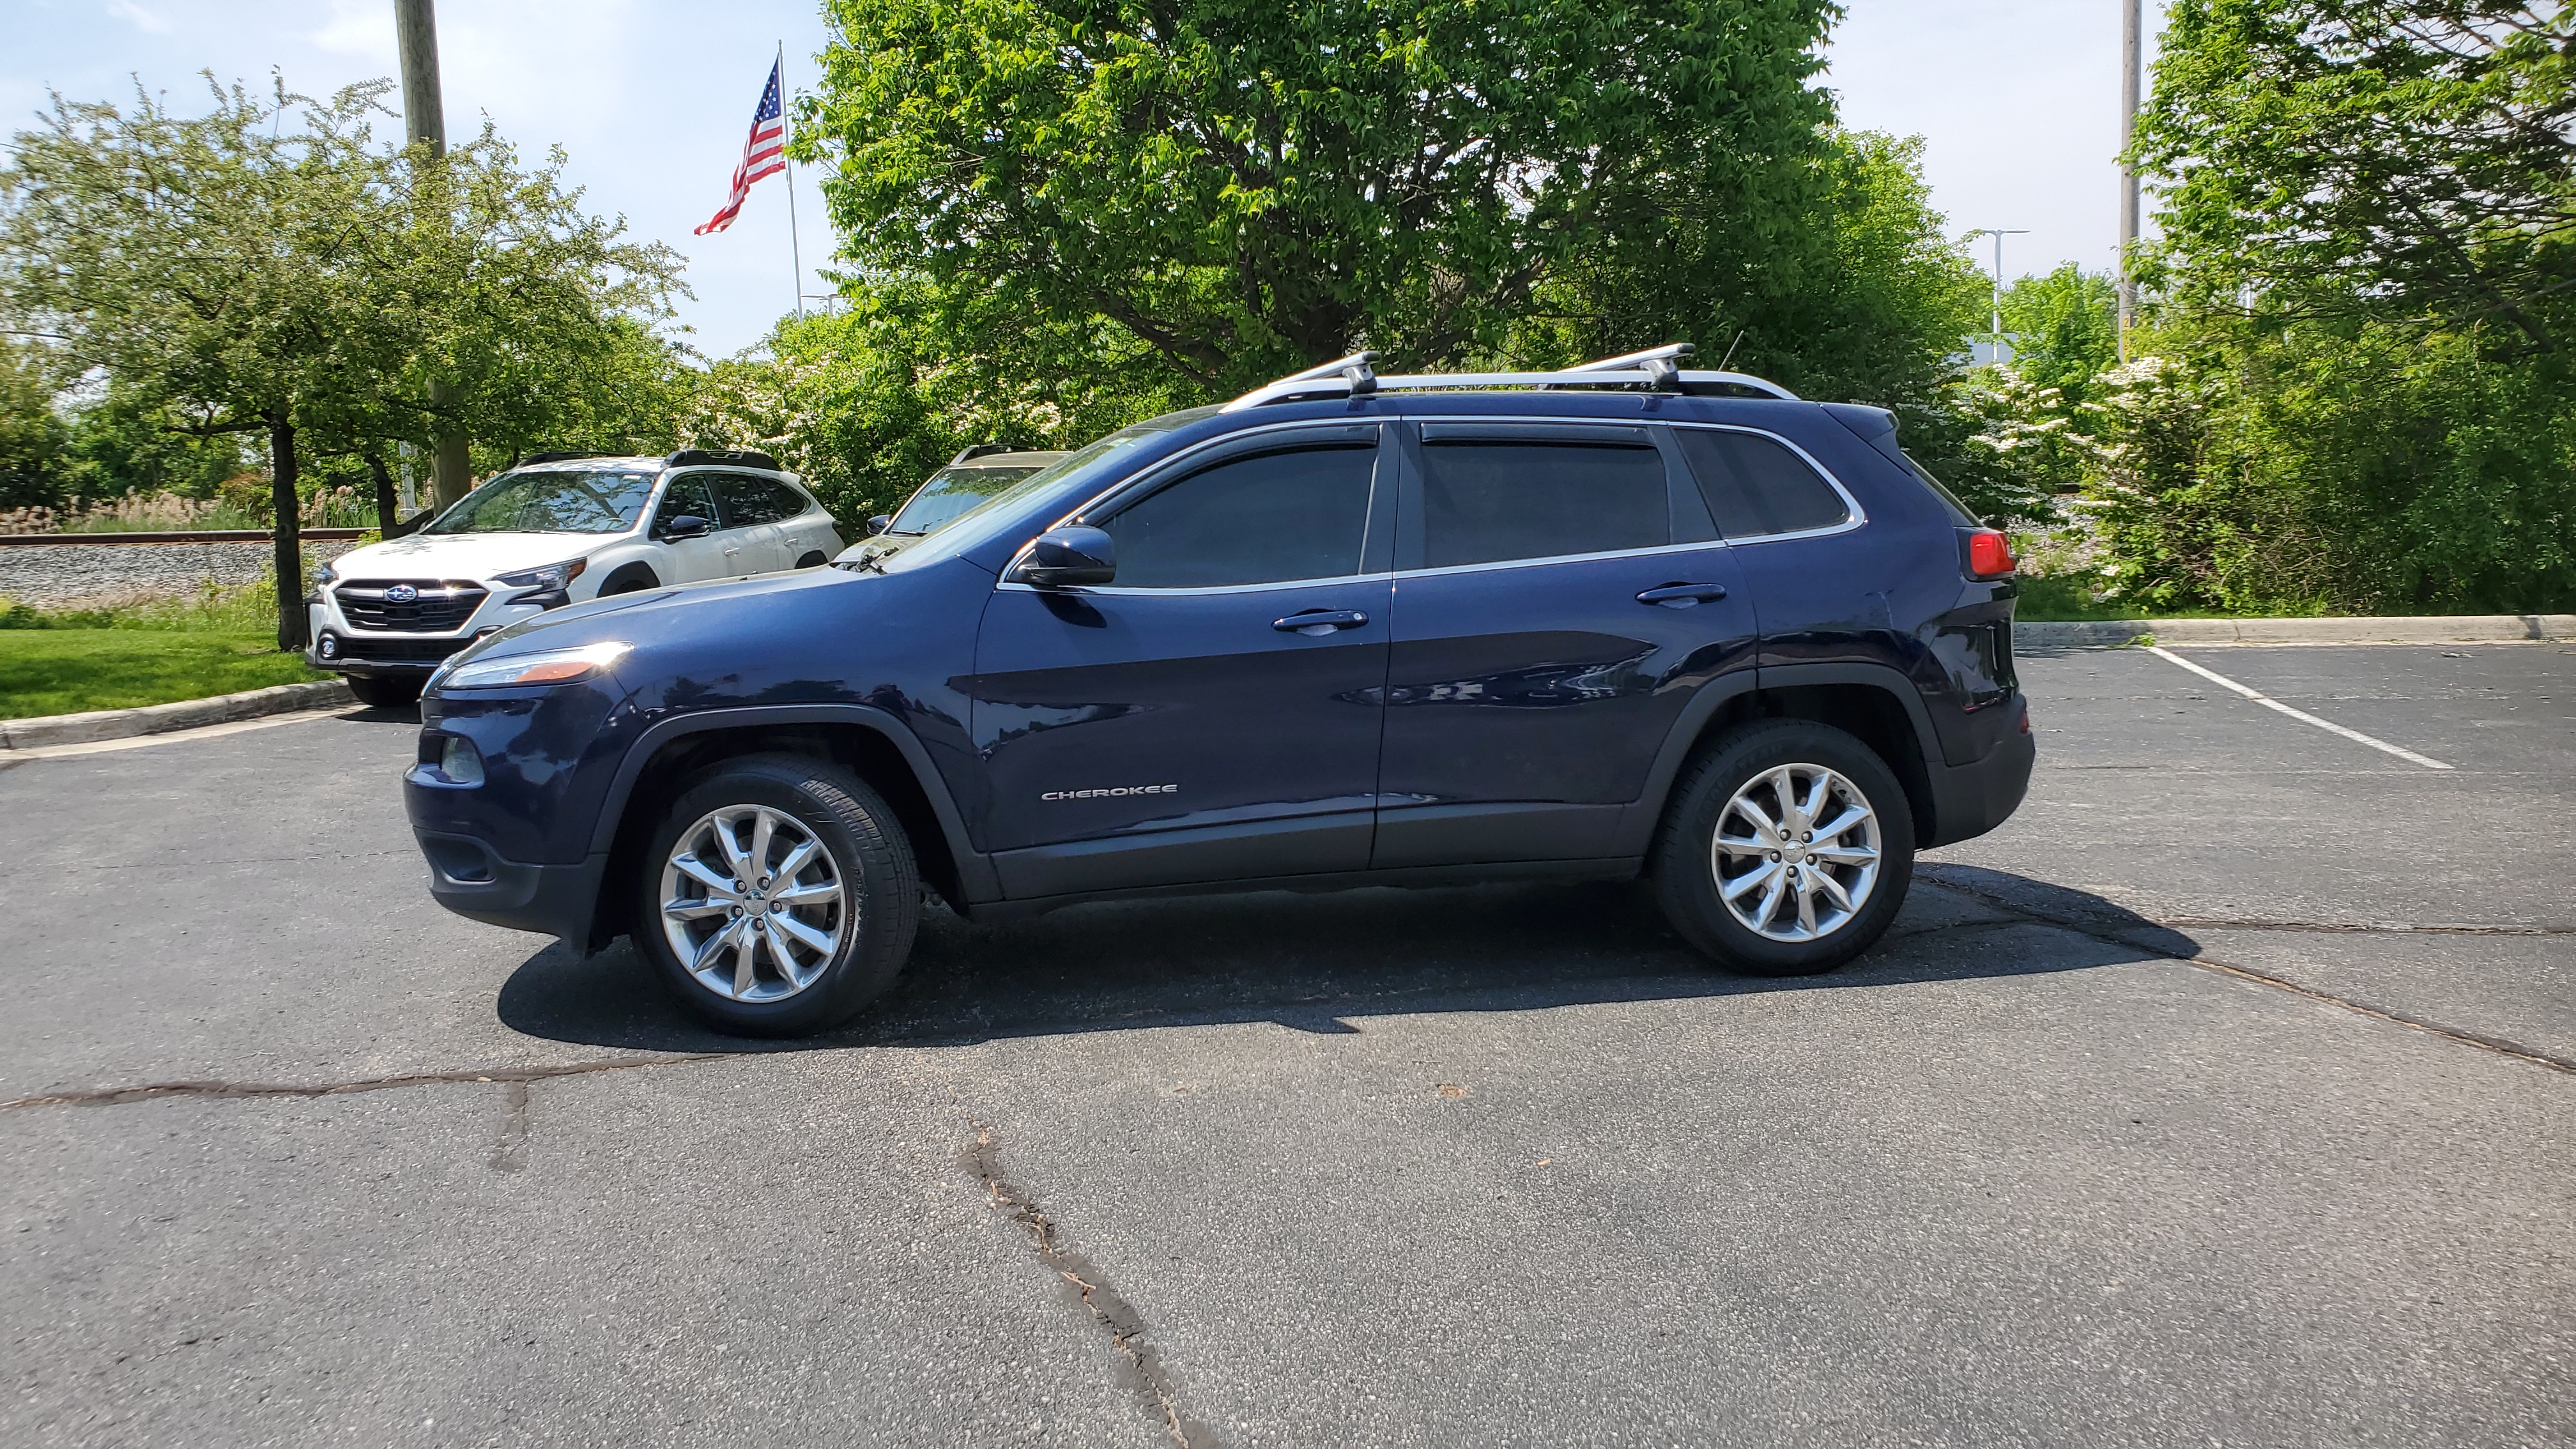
pixel 984 450
pixel 1657 368
pixel 695 457
pixel 563 457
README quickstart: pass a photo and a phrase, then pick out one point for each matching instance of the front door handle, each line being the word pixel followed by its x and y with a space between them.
pixel 1683 596
pixel 1316 623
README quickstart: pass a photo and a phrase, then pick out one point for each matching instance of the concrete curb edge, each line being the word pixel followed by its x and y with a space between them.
pixel 153 719
pixel 2435 629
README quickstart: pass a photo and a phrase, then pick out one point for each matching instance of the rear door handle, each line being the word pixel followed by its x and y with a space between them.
pixel 1683 596
pixel 1316 623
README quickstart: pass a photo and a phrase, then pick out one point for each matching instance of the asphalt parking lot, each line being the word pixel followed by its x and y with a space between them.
pixel 2227 1095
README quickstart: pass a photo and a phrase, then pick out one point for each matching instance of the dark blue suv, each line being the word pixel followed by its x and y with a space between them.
pixel 1345 631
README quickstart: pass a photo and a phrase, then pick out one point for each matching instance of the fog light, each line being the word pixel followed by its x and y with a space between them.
pixel 330 646
pixel 459 762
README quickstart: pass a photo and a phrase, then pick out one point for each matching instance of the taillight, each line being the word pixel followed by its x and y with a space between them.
pixel 1989 555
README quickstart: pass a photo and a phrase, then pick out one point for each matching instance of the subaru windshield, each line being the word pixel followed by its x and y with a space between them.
pixel 551 501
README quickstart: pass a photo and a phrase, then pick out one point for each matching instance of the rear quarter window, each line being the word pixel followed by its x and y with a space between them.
pixel 1756 486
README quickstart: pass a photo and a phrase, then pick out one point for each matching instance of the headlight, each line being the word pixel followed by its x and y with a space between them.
pixel 545 666
pixel 552 576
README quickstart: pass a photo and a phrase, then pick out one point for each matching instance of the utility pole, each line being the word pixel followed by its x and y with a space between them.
pixel 1998 320
pixel 2132 57
pixel 425 119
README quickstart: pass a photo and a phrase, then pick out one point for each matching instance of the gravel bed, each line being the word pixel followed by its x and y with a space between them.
pixel 59 576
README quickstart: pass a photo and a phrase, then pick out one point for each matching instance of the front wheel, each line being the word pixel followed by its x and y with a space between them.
pixel 778 897
pixel 1788 849
pixel 385 691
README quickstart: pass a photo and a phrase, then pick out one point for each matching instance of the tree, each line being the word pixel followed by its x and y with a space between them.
pixel 31 434
pixel 1251 190
pixel 2371 158
pixel 2065 329
pixel 304 284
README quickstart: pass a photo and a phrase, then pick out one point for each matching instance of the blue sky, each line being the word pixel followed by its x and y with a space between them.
pixel 2016 99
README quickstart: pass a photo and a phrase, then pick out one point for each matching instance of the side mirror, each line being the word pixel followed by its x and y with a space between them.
pixel 686 525
pixel 879 524
pixel 1067 556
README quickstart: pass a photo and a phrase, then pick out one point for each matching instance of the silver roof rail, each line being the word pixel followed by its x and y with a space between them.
pixel 1656 368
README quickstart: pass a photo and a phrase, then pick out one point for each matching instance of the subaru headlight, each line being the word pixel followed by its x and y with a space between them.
pixel 544 666
pixel 552 576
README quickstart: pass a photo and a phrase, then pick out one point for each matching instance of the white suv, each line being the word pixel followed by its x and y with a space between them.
pixel 560 529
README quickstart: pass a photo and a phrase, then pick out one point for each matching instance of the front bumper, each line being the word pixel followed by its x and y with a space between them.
pixel 554 900
pixel 1969 800
pixel 343 648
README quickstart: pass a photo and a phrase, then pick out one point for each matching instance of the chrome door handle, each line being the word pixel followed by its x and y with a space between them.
pixel 1683 596
pixel 1316 623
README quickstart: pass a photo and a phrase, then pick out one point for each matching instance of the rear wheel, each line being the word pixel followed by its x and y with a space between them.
pixel 385 691
pixel 778 896
pixel 1788 849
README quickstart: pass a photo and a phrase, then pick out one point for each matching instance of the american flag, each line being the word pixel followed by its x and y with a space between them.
pixel 762 155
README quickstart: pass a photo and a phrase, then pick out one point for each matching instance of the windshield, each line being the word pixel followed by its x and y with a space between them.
pixel 951 494
pixel 570 501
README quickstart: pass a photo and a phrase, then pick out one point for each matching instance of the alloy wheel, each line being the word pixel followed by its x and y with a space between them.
pixel 1796 853
pixel 752 905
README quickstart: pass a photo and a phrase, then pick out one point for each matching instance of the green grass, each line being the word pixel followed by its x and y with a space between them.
pixel 64 671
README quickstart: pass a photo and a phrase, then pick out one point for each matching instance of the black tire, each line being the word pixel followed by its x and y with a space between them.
pixel 1687 867
pixel 813 559
pixel 869 855
pixel 386 691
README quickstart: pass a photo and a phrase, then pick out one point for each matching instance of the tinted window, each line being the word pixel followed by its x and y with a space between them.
pixel 747 500
pixel 1256 520
pixel 784 501
pixel 686 495
pixel 1755 485
pixel 1485 501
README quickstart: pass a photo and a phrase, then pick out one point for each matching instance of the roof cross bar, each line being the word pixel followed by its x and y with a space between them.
pixel 1663 364
pixel 1656 369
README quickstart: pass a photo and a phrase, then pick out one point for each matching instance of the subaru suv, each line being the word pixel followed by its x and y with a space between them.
pixel 1618 621
pixel 566 527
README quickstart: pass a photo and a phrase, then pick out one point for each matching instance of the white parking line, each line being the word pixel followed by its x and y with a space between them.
pixel 2268 702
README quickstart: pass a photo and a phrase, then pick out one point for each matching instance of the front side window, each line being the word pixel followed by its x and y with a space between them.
pixel 1299 513
pixel 552 501
pixel 1756 486
pixel 1487 500
pixel 688 496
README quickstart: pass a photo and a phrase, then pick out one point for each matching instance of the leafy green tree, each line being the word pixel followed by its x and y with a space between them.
pixel 2065 329
pixel 31 434
pixel 2371 158
pixel 1250 190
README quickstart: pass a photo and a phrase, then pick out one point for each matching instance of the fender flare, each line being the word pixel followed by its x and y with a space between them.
pixel 974 869
pixel 1713 696
pixel 632 570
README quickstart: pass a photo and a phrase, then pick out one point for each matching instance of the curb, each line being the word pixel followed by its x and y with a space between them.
pixel 2436 629
pixel 152 719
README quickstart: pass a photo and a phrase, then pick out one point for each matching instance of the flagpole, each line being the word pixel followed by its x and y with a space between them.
pixel 795 247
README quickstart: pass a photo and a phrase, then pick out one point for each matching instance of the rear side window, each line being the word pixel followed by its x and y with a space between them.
pixel 1486 501
pixel 786 499
pixel 1269 518
pixel 1755 486
pixel 749 500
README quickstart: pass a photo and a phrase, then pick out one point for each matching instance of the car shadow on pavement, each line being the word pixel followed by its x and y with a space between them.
pixel 1309 962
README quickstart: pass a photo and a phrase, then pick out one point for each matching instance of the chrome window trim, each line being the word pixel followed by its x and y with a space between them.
pixel 1859 515
pixel 1561 558
pixel 1197 590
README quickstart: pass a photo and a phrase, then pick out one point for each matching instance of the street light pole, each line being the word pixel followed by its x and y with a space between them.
pixel 2132 47
pixel 1997 336
pixel 425 120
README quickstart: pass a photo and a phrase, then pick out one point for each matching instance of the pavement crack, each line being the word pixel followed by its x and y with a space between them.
pixel 2144 937
pixel 149 1091
pixel 511 1152
pixel 1114 1314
